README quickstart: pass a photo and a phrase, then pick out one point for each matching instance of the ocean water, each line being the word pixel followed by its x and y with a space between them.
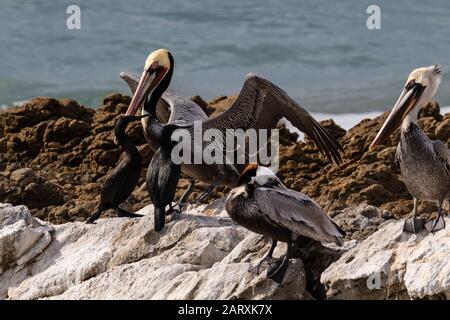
pixel 320 52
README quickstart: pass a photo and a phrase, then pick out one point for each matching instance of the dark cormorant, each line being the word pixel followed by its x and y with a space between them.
pixel 162 173
pixel 122 180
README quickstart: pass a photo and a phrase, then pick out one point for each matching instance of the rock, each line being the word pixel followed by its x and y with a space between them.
pixel 443 130
pixel 64 129
pixel 391 264
pixel 195 257
pixel 358 222
pixel 39 195
pixel 22 239
pixel 204 255
pixel 24 176
pixel 432 109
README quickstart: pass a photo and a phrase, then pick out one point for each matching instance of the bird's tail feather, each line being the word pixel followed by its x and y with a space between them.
pixel 160 219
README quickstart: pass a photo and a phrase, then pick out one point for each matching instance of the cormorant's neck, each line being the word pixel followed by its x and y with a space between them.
pixel 128 147
pixel 155 95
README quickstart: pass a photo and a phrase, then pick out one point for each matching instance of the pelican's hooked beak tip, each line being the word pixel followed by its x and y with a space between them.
pixel 437 68
pixel 372 146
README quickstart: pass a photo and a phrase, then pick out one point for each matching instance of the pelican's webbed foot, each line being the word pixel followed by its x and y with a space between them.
pixel 267 258
pixel 278 270
pixel 435 224
pixel 413 225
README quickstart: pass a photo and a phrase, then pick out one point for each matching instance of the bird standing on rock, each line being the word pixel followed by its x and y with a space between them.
pixel 264 205
pixel 122 180
pixel 162 173
pixel 424 164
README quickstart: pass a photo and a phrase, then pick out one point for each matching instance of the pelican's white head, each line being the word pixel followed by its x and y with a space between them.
pixel 257 175
pixel 419 89
pixel 264 176
pixel 158 58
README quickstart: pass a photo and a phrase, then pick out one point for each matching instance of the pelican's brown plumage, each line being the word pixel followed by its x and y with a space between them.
pixel 259 105
pixel 424 164
pixel 264 205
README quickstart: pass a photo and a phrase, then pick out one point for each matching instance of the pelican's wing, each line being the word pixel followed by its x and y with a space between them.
pixel 297 212
pixel 261 104
pixel 172 108
pixel 443 155
pixel 184 111
pixel 131 79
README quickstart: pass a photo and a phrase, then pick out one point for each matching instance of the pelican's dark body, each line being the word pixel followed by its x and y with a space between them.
pixel 265 206
pixel 424 164
pixel 245 211
pixel 122 180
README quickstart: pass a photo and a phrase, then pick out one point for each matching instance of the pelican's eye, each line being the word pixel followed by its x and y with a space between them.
pixel 410 84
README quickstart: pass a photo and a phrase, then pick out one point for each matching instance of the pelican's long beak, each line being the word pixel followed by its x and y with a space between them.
pixel 149 80
pixel 405 103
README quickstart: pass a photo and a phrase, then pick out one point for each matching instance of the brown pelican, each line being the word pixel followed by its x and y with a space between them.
pixel 122 180
pixel 424 164
pixel 260 105
pixel 262 204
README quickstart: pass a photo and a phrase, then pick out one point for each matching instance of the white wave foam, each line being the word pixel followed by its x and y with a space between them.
pixel 344 120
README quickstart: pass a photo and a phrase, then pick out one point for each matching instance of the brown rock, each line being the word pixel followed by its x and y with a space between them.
pixel 442 131
pixel 432 109
pixel 25 176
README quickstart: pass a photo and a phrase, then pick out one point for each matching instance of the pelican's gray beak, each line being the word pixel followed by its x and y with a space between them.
pixel 405 103
pixel 149 80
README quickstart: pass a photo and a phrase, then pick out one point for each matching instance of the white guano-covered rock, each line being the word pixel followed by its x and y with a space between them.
pixel 392 264
pixel 195 257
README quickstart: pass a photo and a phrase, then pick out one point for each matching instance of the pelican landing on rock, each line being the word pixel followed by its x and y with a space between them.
pixel 424 164
pixel 122 180
pixel 260 105
pixel 264 205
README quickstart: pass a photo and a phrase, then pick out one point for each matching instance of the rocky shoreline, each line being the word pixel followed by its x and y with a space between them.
pixel 55 154
pixel 54 157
